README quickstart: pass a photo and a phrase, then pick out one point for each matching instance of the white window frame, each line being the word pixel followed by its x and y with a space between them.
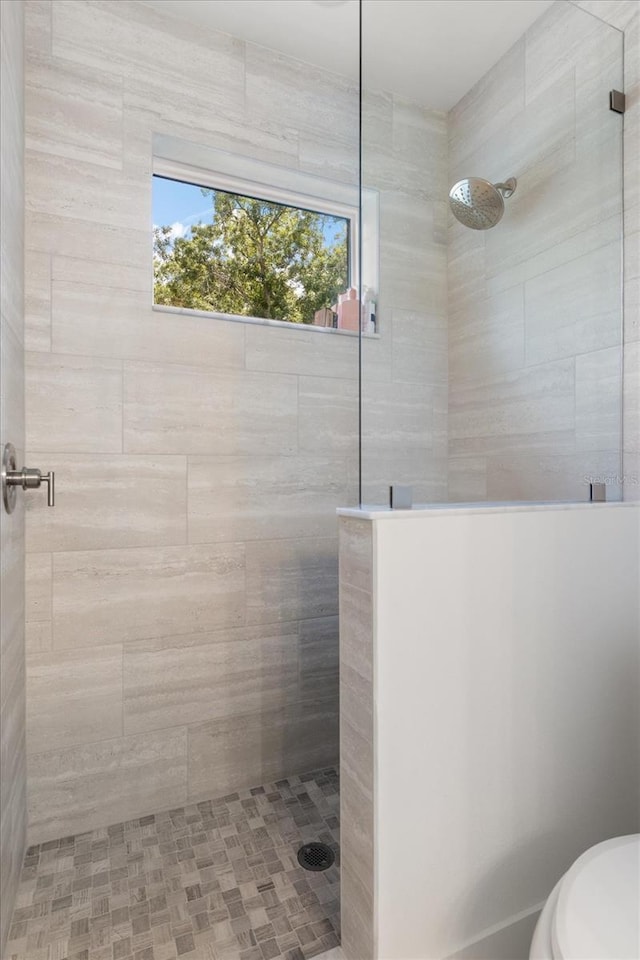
pixel 219 170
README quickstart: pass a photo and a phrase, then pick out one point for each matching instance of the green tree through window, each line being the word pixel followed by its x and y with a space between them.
pixel 255 258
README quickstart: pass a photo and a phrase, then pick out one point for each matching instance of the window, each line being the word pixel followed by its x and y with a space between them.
pixel 250 253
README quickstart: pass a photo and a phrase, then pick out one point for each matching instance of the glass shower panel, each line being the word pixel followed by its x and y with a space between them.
pixel 495 369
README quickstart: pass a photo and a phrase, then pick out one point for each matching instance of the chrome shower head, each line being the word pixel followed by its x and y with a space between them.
pixel 479 204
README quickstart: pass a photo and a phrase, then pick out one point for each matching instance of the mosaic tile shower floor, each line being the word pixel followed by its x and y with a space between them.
pixel 217 880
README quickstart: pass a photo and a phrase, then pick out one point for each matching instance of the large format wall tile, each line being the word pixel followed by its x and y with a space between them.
pixel 37 306
pixel 85 191
pixel 38 576
pixel 74 404
pixel 301 351
pixel 308 98
pixel 178 409
pixel 88 687
pixel 111 320
pixel 266 498
pixel 419 347
pixel 530 408
pixel 488 338
pixel 107 596
pixel 136 43
pixel 104 502
pixel 328 416
pixel 126 402
pixel 191 679
pixel 575 308
pixel 79 788
pixel 356 736
pixel 318 657
pixel 291 579
pixel 558 249
pixel 73 113
pixel 223 752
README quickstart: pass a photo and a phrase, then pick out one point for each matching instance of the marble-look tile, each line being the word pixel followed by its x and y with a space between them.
pixel 85 786
pixel 327 416
pixel 425 471
pixel 190 882
pixel 88 683
pixel 546 211
pixel 599 235
pixel 222 752
pixel 398 417
pixel 318 656
pixel 598 399
pixel 37 27
pixel 421 133
pixel 111 321
pixel 13 801
pixel 357 826
pixel 495 100
pixel 467 479
pixel 538 140
pixel 73 112
pixel 66 236
pixel 105 275
pixel 557 41
pixel 358 916
pixel 333 159
pixel 38 636
pixel 488 339
pixel 199 677
pixel 619 13
pixel 559 476
pixel 526 410
pixel 266 498
pixel 194 411
pixel 308 97
pixel 356 630
pixel 104 502
pixel 419 347
pixel 140 43
pixel 466 266
pixel 356 695
pixel 301 350
pixel 291 579
pixel 38 580
pixel 357 820
pixel 37 302
pixel 74 404
pixel 84 191
pixel 412 262
pixel 107 596
pixel 187 114
pixel 356 553
pixel 574 308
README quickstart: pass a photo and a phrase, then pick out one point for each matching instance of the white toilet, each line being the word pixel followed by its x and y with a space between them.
pixel 593 912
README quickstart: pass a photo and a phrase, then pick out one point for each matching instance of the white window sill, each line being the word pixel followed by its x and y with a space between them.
pixel 285 324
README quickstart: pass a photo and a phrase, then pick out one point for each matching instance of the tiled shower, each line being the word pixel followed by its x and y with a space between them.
pixel 181 632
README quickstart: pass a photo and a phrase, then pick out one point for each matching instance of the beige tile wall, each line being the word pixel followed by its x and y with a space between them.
pixel 12 545
pixel 357 738
pixel 535 359
pixel 182 596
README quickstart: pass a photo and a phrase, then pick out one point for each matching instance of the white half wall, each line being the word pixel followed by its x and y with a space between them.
pixel 504 696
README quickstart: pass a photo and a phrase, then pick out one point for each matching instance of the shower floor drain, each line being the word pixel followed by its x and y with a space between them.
pixel 316 856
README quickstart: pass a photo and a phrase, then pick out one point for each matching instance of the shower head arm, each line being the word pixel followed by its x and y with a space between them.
pixel 508 188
